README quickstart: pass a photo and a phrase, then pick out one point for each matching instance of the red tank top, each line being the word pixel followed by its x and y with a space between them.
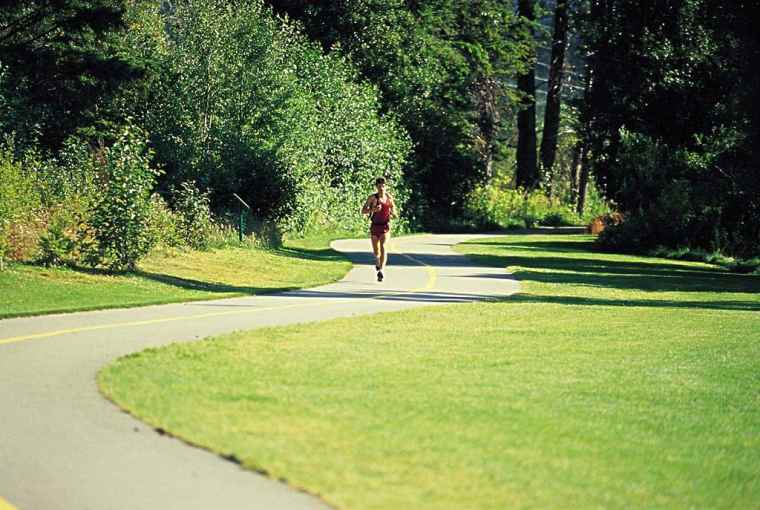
pixel 382 216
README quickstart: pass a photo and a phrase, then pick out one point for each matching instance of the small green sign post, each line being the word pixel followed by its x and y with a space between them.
pixel 241 220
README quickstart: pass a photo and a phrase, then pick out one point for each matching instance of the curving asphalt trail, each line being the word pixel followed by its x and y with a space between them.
pixel 63 446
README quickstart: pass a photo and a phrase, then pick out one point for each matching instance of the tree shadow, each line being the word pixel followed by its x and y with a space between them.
pixel 320 254
pixel 401 259
pixel 205 286
pixel 387 295
pixel 736 305
pixel 570 264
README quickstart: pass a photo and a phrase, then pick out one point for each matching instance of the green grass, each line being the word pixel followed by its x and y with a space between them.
pixel 169 276
pixel 610 381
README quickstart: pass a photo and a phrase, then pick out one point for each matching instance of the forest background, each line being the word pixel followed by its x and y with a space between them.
pixel 131 124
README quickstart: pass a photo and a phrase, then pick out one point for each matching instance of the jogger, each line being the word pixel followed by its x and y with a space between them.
pixel 380 208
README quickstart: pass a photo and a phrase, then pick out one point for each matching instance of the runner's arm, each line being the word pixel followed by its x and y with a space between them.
pixel 370 205
pixel 394 212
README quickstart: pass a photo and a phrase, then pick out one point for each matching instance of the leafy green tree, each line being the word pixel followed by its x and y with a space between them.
pixel 442 67
pixel 121 217
pixel 242 102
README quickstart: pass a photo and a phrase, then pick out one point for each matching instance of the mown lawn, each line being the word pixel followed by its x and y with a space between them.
pixel 171 276
pixel 609 381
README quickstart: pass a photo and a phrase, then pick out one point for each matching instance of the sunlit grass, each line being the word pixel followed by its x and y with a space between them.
pixel 609 381
pixel 171 276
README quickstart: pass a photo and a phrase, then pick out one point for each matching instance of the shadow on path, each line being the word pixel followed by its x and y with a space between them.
pixel 389 295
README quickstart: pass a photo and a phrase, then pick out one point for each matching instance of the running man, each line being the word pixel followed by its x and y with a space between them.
pixel 380 208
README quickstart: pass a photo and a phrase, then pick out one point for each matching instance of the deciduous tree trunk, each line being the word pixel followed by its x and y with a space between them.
pixel 584 143
pixel 489 117
pixel 574 167
pixel 583 180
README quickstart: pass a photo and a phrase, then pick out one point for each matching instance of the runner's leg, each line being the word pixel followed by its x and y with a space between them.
pixel 376 248
pixel 383 258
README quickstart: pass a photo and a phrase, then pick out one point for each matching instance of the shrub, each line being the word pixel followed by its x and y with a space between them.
pixel 163 223
pixel 496 205
pixel 559 217
pixel 193 210
pixel 745 266
pixel 69 238
pixel 629 236
pixel 691 196
pixel 73 174
pixel 598 224
pixel 121 217
pixel 19 208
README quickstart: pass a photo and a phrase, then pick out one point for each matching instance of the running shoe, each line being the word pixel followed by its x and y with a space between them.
pixel 379 276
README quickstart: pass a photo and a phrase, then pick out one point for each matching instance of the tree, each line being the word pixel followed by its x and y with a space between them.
pixel 527 176
pixel 441 67
pixel 62 62
pixel 243 103
pixel 554 90
pixel 676 81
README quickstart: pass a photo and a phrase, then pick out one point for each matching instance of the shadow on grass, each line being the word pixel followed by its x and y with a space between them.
pixel 321 254
pixel 200 285
pixel 570 263
pixel 735 305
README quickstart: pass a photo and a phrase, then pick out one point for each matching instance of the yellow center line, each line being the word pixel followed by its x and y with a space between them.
pixel 15 339
pixel 432 274
pixel 4 505
pixel 156 321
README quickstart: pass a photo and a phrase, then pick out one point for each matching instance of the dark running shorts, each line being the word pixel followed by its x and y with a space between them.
pixel 379 229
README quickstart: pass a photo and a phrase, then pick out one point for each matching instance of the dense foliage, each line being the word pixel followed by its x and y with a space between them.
pixel 673 119
pixel 120 218
pixel 443 67
pixel 242 103
pixel 130 123
pixel 61 62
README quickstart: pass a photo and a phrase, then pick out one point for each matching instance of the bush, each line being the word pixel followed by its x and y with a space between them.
pixel 69 238
pixel 743 266
pixel 121 218
pixel 600 223
pixel 193 210
pixel 163 228
pixel 73 174
pixel 684 197
pixel 19 208
pixel 496 205
pixel 559 218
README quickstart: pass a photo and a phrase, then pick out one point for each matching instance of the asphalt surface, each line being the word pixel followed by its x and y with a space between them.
pixel 64 446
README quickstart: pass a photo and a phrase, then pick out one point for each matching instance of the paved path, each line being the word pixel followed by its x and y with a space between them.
pixel 63 446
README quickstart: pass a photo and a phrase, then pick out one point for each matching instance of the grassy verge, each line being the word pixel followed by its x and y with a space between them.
pixel 171 276
pixel 610 381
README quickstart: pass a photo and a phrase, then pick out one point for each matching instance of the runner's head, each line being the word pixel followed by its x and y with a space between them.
pixel 380 183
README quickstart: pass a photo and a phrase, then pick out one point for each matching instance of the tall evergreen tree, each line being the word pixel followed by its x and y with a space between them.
pixel 60 61
pixel 527 175
pixel 554 90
